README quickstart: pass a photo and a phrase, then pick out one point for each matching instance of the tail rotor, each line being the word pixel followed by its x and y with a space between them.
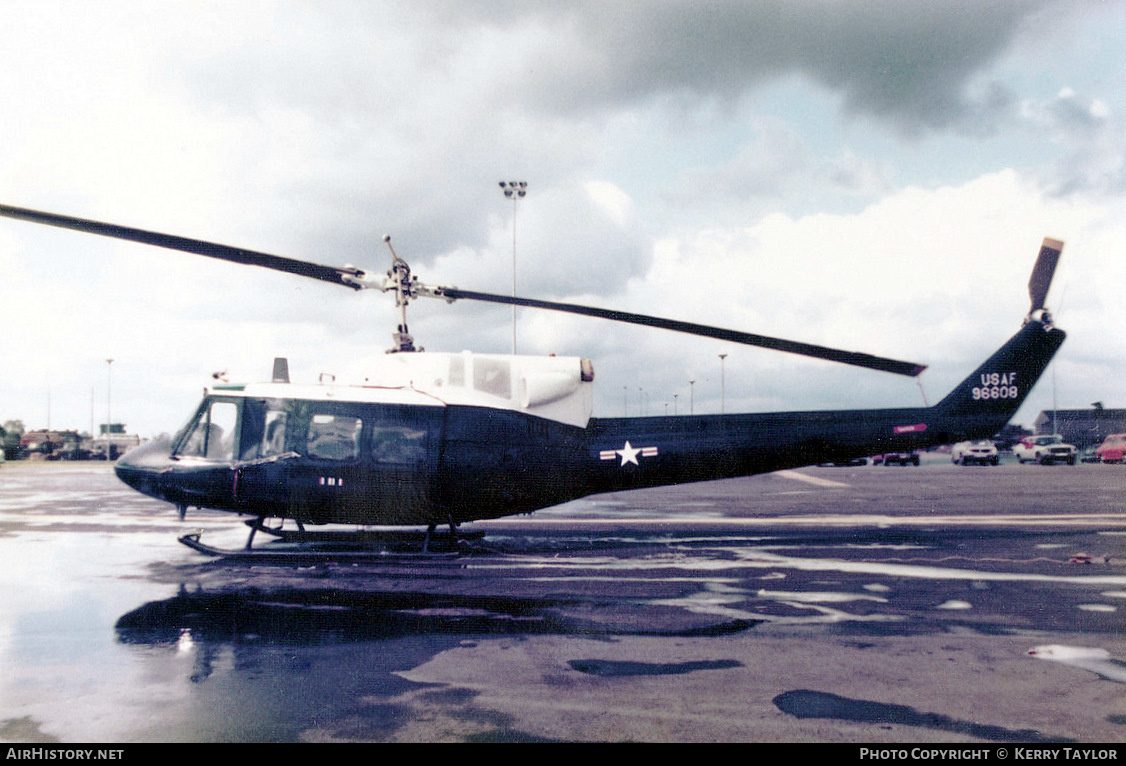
pixel 1042 272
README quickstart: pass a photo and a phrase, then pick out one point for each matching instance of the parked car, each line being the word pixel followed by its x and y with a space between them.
pixel 981 452
pixel 1113 449
pixel 1088 454
pixel 1045 450
pixel 901 458
pixel 846 463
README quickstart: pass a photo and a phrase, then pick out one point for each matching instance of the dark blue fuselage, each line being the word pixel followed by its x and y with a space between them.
pixel 392 464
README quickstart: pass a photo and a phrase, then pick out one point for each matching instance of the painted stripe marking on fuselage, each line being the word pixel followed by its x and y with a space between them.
pixel 914 428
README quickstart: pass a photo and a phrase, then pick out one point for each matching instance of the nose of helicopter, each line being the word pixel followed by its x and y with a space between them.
pixel 144 467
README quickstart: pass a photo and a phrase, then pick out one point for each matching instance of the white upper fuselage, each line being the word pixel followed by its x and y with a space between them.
pixel 556 388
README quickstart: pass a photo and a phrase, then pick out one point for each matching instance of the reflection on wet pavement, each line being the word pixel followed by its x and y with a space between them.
pixel 671 620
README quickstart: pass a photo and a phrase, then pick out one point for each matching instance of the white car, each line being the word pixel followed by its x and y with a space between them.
pixel 978 452
pixel 1045 450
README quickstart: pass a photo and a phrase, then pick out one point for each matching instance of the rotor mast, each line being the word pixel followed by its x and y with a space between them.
pixel 399 280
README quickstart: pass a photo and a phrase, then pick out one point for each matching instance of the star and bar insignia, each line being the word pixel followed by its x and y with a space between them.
pixel 628 453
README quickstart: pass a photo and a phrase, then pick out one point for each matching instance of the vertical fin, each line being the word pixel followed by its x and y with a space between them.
pixel 998 387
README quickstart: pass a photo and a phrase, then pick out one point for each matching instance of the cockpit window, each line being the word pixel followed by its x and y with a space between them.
pixel 212 435
pixel 263 429
pixel 333 437
pixel 398 444
pixel 399 435
pixel 273 438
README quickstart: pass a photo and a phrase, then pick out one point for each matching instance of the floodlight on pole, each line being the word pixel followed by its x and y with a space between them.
pixel 514 190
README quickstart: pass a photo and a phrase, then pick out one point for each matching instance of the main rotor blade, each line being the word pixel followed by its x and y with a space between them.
pixel 794 347
pixel 1043 271
pixel 184 244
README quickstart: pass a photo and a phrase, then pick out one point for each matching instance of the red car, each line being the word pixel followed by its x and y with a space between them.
pixel 901 458
pixel 1113 449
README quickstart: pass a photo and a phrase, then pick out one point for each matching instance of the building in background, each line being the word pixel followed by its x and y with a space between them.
pixel 50 445
pixel 44 444
pixel 1082 428
pixel 112 440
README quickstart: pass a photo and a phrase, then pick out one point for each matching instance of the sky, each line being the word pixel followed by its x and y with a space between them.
pixel 871 175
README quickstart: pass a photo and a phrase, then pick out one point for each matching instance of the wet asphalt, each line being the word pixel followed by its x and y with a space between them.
pixel 864 604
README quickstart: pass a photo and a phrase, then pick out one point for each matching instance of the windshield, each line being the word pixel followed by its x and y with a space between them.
pixel 212 434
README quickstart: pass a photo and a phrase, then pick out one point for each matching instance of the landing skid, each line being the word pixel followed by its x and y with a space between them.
pixel 328 550
pixel 301 544
pixel 385 534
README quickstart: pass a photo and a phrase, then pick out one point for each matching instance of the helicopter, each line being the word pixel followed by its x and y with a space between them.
pixel 429 439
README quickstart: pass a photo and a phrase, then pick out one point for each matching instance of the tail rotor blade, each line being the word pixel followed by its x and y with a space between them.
pixel 1042 272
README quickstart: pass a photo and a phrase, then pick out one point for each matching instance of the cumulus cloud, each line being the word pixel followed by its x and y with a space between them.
pixel 932 276
pixel 1094 157
pixel 909 63
pixel 773 169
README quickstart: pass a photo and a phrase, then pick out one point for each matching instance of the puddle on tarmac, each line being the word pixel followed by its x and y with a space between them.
pixel 612 669
pixel 803 703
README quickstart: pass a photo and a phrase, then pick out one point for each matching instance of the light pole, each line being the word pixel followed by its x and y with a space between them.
pixel 691 397
pixel 109 411
pixel 514 190
pixel 675 409
pixel 722 386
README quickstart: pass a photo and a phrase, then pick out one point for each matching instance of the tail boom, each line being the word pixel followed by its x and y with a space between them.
pixel 644 452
